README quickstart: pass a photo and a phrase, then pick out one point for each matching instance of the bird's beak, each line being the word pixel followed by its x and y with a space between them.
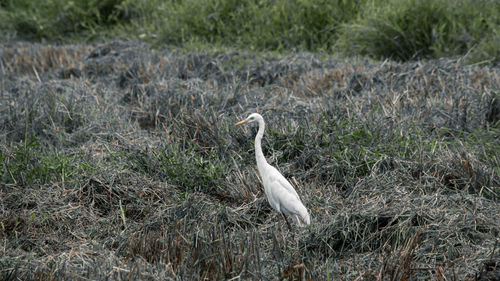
pixel 241 122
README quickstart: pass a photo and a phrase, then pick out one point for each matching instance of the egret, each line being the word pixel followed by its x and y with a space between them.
pixel 279 192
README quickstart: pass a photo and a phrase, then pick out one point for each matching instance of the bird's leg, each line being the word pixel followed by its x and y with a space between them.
pixel 289 227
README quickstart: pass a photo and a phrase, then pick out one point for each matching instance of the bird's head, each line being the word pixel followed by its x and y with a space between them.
pixel 254 117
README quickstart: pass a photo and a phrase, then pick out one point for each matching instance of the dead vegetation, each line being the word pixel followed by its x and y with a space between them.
pixel 122 163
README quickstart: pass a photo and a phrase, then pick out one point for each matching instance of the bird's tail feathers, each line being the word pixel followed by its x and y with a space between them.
pixel 303 219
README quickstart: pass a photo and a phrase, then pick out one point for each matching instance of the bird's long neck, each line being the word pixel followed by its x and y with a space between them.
pixel 261 160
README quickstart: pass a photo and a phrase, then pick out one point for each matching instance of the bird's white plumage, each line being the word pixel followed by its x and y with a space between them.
pixel 279 192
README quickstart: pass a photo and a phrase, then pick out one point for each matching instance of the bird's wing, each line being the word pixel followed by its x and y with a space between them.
pixel 289 201
pixel 275 175
pixel 280 193
pixel 280 186
pixel 282 196
pixel 287 185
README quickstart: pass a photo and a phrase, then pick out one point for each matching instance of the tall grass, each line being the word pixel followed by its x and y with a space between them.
pixel 58 20
pixel 402 30
pixel 275 25
pixel 410 29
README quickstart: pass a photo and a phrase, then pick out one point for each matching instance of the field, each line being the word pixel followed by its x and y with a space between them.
pixel 119 162
pixel 120 159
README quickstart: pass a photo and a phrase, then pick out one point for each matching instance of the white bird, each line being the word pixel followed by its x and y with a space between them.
pixel 280 193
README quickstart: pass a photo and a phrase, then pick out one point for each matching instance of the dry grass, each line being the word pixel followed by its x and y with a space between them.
pixel 123 163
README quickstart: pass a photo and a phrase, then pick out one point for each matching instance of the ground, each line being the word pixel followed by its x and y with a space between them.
pixel 122 162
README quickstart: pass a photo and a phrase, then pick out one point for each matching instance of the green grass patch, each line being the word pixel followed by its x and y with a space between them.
pixel 29 163
pixel 183 167
pixel 486 143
